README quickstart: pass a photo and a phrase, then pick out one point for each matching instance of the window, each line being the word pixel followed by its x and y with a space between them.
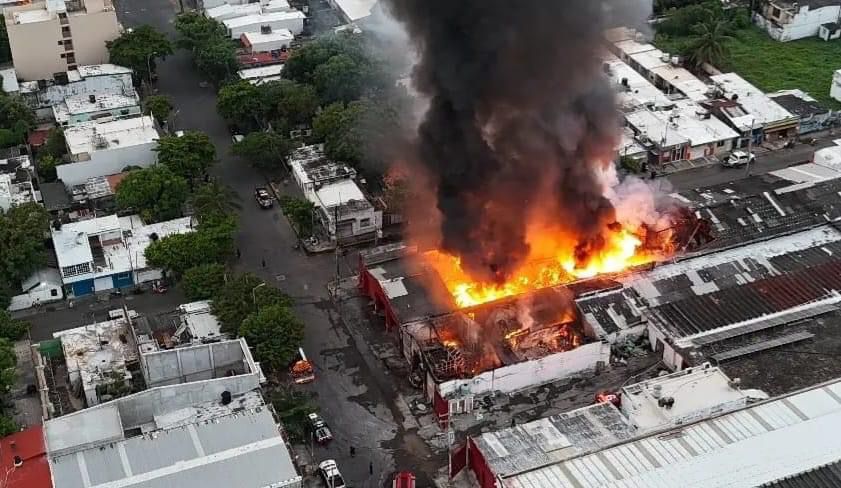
pixel 65 31
pixel 775 12
pixel 53 292
pixel 365 222
pixel 71 67
pixel 720 143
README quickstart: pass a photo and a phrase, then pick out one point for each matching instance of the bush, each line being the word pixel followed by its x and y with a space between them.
pixel 203 281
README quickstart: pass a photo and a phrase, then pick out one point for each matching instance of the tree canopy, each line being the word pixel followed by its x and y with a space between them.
pixel 212 242
pixel 213 200
pixel 188 156
pixel 213 51
pixel 287 104
pixel 217 60
pixel 239 103
pixel 22 234
pixel 274 333
pixel 235 301
pixel 10 328
pixel 300 212
pixel 156 193
pixel 16 120
pixel 203 281
pixel 709 43
pixel 159 106
pixel 138 48
pixel 264 150
pixel 196 30
pixel 339 126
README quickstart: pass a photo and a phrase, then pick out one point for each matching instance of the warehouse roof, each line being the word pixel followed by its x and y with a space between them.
pixel 758 444
pixel 828 476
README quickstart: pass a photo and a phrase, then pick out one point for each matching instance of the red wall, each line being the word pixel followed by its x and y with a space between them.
pixel 372 289
pixel 479 466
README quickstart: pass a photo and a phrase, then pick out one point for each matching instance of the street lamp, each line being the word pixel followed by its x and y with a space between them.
pixel 254 293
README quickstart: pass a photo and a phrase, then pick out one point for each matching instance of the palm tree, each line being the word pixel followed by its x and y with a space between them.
pixel 709 45
pixel 214 198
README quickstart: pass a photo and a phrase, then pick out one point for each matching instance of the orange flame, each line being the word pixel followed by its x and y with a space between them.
pixel 550 263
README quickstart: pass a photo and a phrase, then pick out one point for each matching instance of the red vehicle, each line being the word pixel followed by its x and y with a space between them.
pixel 403 479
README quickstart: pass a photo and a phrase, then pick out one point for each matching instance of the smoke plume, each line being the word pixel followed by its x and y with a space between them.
pixel 520 117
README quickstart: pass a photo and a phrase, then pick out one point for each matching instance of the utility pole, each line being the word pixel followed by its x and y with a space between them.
pixel 750 147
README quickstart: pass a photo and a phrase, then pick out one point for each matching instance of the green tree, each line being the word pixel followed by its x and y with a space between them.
pixel 138 49
pixel 709 45
pixel 239 103
pixel 159 106
pixel 203 281
pixel 303 62
pixel 5 49
pixel 7 425
pixel 16 120
pixel 338 125
pixel 235 301
pixel 288 104
pixel 188 156
pixel 195 30
pixel 23 230
pixel 8 361
pixel 156 193
pixel 264 150
pixel 217 60
pixel 212 242
pixel 275 335
pixel 55 145
pixel 342 79
pixel 214 199
pixel 46 168
pixel 292 407
pixel 300 212
pixel 682 21
pixel 10 328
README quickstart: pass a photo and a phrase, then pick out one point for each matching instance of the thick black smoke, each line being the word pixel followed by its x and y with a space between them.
pixel 520 117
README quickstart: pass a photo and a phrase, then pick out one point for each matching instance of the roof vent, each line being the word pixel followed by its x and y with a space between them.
pixel 226 397
pixel 92 98
pixel 265 29
pixel 18 461
pixel 657 391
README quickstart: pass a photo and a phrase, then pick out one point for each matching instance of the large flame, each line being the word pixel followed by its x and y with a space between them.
pixel 551 262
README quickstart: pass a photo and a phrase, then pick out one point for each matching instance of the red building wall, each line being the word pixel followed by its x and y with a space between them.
pixel 373 290
pixel 479 466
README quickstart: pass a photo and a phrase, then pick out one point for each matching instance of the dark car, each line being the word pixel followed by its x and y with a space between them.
pixel 263 197
pixel 320 432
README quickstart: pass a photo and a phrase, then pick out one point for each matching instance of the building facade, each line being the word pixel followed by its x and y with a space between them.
pixel 56 36
pixel 786 20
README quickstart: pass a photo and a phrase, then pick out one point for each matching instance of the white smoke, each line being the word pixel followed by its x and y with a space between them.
pixel 638 201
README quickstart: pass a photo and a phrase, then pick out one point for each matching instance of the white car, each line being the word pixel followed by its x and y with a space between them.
pixel 330 474
pixel 237 138
pixel 738 158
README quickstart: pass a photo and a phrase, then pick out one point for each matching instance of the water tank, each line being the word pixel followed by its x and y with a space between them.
pixel 665 57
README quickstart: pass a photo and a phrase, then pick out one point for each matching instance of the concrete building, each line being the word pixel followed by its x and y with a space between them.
pixel 43 286
pixel 100 149
pixel 56 36
pixel 292 21
pixel 726 445
pixel 787 20
pixel 77 109
pixel 16 177
pixel 158 441
pixel 354 11
pixel 743 106
pixel 835 88
pixel 9 81
pixel 228 11
pixel 343 209
pixel 104 253
pixel 813 116
pixel 259 42
pixel 98 80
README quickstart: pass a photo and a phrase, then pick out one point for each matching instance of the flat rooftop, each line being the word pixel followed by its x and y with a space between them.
pixel 760 109
pixel 261 72
pixel 274 35
pixel 262 18
pixel 92 136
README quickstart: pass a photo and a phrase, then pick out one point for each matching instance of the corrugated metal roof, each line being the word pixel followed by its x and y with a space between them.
pixel 243 450
pixel 828 476
pixel 759 444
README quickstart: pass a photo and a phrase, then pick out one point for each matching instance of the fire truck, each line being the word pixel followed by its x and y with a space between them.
pixel 302 370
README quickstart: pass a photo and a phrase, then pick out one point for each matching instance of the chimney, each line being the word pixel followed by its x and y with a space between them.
pixel 18 461
pixel 92 98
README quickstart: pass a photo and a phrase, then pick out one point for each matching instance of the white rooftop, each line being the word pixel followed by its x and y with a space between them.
pixel 355 10
pixel 697 393
pixel 14 192
pixel 87 137
pixel 138 236
pixel 339 193
pixel 262 18
pixel 81 104
pixel 649 60
pixel 636 91
pixel 261 72
pixel 9 80
pixel 102 69
pixel 632 46
pixel 197 319
pixel 31 16
pixel 684 81
pixel 276 5
pixel 688 121
pixel 760 108
pixel 228 11
pixel 742 449
pixel 71 241
pixel 274 35
pixel 656 126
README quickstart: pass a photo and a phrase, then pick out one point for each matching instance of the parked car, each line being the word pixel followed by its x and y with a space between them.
pixel 738 158
pixel 263 197
pixel 237 138
pixel 330 474
pixel 320 431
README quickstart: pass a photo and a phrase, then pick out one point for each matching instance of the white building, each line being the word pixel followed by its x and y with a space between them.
pixel 54 36
pixel 43 286
pixel 98 80
pixel 354 11
pixel 9 81
pixel 109 252
pixel 99 149
pixel 197 324
pixel 835 89
pixel 262 74
pixel 292 21
pixel 77 109
pixel 227 11
pixel 744 106
pixel 342 207
pixel 16 188
pixel 787 20
pixel 275 40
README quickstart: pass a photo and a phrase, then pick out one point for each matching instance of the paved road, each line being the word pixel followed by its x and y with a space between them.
pixel 358 410
pixel 767 162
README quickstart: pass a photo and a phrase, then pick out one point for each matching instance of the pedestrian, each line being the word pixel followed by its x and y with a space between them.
pixel 371 467
pixel 264 263
pixel 352 451
pixel 239 253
